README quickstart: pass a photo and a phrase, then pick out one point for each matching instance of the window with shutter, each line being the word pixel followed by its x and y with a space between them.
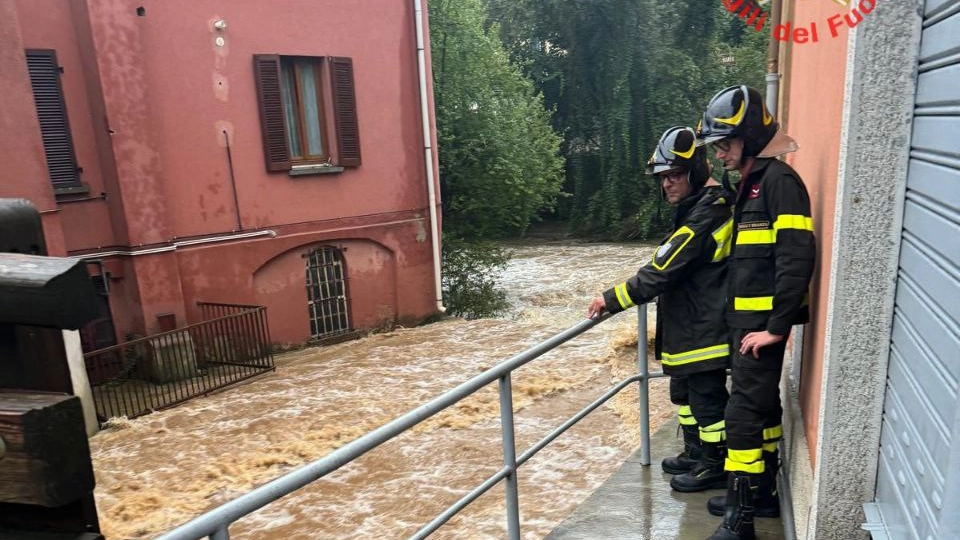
pixel 308 112
pixel 52 113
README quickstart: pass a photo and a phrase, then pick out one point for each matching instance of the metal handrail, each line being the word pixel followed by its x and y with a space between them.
pixel 215 523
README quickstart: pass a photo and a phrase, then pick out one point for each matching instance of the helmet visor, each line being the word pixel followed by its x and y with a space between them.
pixel 658 168
pixel 710 139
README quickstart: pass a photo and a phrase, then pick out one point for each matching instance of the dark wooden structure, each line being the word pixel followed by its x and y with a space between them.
pixel 46 475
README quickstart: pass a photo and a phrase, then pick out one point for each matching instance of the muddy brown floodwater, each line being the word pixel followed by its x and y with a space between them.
pixel 158 471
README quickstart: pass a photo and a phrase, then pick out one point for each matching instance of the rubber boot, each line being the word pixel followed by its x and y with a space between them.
pixel 766 500
pixel 738 514
pixel 707 474
pixel 691 452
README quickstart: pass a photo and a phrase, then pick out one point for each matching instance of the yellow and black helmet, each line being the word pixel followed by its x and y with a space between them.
pixel 678 148
pixel 738 111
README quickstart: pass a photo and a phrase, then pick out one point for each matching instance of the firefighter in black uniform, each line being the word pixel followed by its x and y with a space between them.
pixel 687 274
pixel 770 267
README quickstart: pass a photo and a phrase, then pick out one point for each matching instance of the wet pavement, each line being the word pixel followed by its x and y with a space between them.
pixel 636 503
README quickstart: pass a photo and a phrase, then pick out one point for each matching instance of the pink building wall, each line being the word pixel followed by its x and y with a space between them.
pixel 149 97
pixel 812 98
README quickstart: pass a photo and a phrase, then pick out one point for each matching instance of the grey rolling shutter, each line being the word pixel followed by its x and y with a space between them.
pixel 52 114
pixel 919 466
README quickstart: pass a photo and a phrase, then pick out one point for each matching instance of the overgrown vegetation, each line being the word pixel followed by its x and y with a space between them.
pixel 500 163
pixel 470 271
pixel 618 73
pixel 552 107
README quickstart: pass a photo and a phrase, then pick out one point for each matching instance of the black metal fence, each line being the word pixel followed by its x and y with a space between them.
pixel 162 370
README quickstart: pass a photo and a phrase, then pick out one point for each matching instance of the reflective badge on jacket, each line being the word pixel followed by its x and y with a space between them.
pixel 667 251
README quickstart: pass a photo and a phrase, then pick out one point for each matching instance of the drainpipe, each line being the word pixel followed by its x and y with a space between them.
pixel 772 102
pixel 428 153
pixel 773 60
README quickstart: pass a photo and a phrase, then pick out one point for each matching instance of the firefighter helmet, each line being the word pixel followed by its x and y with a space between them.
pixel 678 148
pixel 738 111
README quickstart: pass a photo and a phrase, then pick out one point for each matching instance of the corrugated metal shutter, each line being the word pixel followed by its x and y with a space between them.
pixel 52 113
pixel 918 464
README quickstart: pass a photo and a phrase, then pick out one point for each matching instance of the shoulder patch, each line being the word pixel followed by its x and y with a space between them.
pixel 669 249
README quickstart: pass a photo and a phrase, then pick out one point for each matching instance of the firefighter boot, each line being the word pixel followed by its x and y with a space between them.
pixel 708 473
pixel 766 500
pixel 690 455
pixel 738 514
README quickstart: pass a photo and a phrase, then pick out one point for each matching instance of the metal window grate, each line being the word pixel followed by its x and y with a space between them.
pixel 326 293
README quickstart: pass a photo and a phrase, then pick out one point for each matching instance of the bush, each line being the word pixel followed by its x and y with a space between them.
pixel 470 272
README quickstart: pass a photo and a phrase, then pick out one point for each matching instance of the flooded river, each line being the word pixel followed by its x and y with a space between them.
pixel 158 471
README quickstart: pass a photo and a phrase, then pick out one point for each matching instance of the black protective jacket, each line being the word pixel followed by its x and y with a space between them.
pixel 773 250
pixel 687 273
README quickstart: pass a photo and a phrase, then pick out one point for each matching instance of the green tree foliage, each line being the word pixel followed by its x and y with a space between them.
pixel 618 73
pixel 500 164
pixel 470 271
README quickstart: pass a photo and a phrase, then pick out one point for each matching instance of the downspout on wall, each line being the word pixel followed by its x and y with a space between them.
pixel 772 102
pixel 428 153
pixel 773 60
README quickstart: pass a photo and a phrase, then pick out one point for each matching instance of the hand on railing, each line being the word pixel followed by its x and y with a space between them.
pixel 597 308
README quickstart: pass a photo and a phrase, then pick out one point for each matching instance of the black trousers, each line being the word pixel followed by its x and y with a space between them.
pixel 754 408
pixel 705 392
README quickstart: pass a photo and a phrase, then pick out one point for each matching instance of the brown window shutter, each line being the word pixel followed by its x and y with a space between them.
pixel 52 114
pixel 345 111
pixel 266 69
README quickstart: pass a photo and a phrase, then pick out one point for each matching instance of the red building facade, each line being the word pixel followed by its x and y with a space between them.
pixel 237 152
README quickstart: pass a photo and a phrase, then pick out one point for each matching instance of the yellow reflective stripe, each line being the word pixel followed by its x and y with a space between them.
pixel 753 303
pixel 770 447
pixel 695 355
pixel 685 416
pixel 714 433
pixel 622 296
pixel 749 461
pixel 774 433
pixel 793 221
pixel 722 238
pixel 752 468
pixel 679 231
pixel 758 236
pixel 717 437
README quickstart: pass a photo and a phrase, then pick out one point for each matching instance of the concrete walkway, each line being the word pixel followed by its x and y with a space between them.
pixel 636 503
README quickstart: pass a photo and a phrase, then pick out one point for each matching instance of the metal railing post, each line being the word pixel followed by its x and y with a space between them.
pixel 511 491
pixel 643 384
pixel 220 534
